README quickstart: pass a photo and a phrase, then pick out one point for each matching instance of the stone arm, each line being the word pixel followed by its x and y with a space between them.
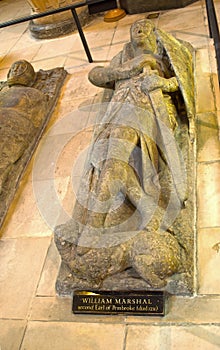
pixel 107 76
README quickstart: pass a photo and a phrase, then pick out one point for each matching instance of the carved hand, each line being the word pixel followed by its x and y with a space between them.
pixel 153 82
pixel 138 63
pixel 130 68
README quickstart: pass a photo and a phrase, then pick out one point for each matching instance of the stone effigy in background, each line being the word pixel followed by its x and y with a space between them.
pixel 27 100
pixel 132 225
pixel 140 6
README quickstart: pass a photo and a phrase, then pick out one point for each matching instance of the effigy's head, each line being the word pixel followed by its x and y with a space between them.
pixel 21 73
pixel 143 35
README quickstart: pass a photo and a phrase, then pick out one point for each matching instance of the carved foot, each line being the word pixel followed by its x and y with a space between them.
pixel 156 256
pixel 144 265
pixel 65 237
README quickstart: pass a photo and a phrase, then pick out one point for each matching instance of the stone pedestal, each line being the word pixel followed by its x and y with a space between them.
pixel 140 6
pixel 54 25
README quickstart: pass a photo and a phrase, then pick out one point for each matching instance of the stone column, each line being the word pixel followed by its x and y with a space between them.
pixel 54 25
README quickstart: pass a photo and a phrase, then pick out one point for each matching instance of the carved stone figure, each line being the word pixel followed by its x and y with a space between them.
pixel 132 223
pixel 22 109
pixel 25 105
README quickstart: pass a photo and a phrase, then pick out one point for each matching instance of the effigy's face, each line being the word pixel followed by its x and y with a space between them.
pixel 142 34
pixel 17 69
pixel 22 73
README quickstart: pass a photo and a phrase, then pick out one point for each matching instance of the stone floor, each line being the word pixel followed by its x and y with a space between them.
pixel 31 315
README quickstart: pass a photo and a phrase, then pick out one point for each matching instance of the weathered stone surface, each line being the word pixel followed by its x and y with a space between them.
pixel 26 103
pixel 134 207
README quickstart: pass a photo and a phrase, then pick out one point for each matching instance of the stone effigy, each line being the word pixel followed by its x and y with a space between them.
pixel 140 6
pixel 132 225
pixel 26 102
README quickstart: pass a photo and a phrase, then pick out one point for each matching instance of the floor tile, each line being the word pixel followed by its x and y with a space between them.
pixel 24 218
pixel 11 334
pixel 20 28
pixel 218 119
pixel 197 337
pixel 65 107
pixel 72 157
pixel 3 74
pixel 122 35
pixel 198 37
pixel 48 48
pixel 115 49
pixel 27 42
pixel 49 194
pixel 9 33
pixel 98 24
pixel 148 338
pixel 77 59
pixel 100 38
pixel 6 45
pixel 170 338
pixel 52 309
pixel 59 151
pixel 7 15
pixel 205 100
pixel 17 55
pixel 46 286
pixel 99 53
pixel 208 261
pixel 208 146
pixel 129 19
pixel 60 309
pixel 79 86
pixel 187 310
pixel 208 188
pixel 50 63
pixel 181 19
pixel 86 336
pixel 68 198
pixel 217 10
pixel 215 77
pixel 21 264
pixel 58 167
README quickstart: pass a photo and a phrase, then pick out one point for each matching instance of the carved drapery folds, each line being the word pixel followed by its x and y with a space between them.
pixel 132 225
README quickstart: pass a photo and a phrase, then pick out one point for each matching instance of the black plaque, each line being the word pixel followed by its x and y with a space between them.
pixel 150 303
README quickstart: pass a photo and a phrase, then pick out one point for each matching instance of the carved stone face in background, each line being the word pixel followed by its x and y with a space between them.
pixel 142 35
pixel 21 73
pixel 27 100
